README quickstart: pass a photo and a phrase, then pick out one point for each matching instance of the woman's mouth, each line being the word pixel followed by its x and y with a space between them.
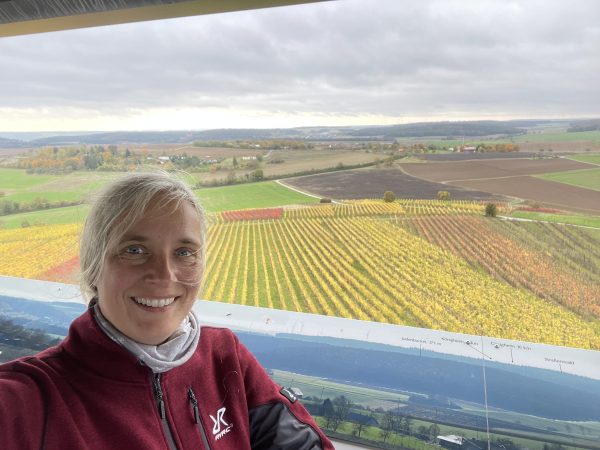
pixel 154 302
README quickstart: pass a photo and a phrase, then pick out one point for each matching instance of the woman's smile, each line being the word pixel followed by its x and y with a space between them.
pixel 151 278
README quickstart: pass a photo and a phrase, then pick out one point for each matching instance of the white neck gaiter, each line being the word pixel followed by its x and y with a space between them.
pixel 177 350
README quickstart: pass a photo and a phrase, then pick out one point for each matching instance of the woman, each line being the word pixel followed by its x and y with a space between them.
pixel 136 371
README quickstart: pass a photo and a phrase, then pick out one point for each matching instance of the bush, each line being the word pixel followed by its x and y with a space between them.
pixel 443 195
pixel 257 175
pixel 24 224
pixel 325 200
pixel 389 196
pixel 491 210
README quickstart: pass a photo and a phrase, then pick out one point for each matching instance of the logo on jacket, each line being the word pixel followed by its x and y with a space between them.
pixel 220 426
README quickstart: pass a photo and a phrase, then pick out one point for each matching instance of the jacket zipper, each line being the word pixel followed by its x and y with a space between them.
pixel 160 403
pixel 197 420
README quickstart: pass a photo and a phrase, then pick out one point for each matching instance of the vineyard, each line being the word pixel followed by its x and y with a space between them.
pixel 432 264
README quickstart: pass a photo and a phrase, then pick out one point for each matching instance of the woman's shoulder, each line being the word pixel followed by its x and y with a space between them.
pixel 210 335
pixel 19 382
pixel 27 369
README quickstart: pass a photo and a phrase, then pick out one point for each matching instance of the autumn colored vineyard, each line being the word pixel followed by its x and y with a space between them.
pixel 433 264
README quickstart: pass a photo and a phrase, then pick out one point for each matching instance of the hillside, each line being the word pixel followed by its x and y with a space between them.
pixel 457 129
pixel 431 264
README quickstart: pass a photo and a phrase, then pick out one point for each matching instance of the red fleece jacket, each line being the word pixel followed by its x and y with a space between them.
pixel 90 393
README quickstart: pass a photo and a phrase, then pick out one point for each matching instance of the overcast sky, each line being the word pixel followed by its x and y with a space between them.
pixel 347 62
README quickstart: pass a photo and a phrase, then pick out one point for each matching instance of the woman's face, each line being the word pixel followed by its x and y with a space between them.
pixel 150 281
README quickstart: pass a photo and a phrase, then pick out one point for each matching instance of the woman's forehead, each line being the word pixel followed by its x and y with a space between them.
pixel 182 218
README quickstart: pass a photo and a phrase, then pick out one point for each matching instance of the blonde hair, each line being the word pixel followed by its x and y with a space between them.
pixel 117 207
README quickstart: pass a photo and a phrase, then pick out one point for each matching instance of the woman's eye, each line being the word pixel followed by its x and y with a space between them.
pixel 185 252
pixel 133 251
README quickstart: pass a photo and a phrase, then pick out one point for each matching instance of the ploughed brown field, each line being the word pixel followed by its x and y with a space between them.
pixel 510 177
pixel 551 193
pixel 372 183
pixel 495 168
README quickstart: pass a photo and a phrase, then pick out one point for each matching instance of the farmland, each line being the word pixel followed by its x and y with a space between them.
pixel 372 183
pixel 586 178
pixel 17 185
pixel 514 178
pixel 430 264
pixel 417 261
pixel 255 195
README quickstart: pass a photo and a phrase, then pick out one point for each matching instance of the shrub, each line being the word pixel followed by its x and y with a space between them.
pixel 491 210
pixel 325 200
pixel 257 175
pixel 443 195
pixel 24 224
pixel 389 196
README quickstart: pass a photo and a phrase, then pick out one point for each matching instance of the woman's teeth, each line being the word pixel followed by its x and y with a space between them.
pixel 154 302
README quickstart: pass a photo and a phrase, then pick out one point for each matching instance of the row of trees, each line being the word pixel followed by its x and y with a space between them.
pixel 11 207
pixel 341 410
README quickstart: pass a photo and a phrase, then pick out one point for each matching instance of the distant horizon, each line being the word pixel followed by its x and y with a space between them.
pixel 350 63
pixel 49 133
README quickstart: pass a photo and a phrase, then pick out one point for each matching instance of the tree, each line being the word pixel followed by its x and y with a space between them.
pixel 491 210
pixel 360 422
pixel 341 407
pixel 388 424
pixel 443 195
pixel 404 425
pixel 231 177
pixel 389 196
pixel 257 175
pixel 328 412
pixel 434 431
pixel 235 162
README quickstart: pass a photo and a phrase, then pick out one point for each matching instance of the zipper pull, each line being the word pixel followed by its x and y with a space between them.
pixel 159 396
pixel 194 403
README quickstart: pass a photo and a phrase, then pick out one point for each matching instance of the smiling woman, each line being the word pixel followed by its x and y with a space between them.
pixel 128 372
pixel 142 255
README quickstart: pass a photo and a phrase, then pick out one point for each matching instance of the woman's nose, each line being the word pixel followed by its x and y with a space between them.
pixel 161 268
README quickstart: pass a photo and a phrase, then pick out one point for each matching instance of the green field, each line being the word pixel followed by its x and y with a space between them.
pixel 254 195
pixel 573 219
pixel 53 216
pixel 559 137
pixel 17 179
pixel 585 178
pixel 19 186
pixel 593 158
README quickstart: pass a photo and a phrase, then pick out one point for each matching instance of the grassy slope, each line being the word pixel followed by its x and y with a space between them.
pixel 559 137
pixel 574 219
pixel 255 195
pixel 19 186
pixel 591 158
pixel 586 178
pixel 16 179
pixel 70 214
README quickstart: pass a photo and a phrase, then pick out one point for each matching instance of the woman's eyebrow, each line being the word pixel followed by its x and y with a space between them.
pixel 134 237
pixel 189 241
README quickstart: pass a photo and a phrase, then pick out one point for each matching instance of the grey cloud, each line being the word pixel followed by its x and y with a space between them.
pixel 339 58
